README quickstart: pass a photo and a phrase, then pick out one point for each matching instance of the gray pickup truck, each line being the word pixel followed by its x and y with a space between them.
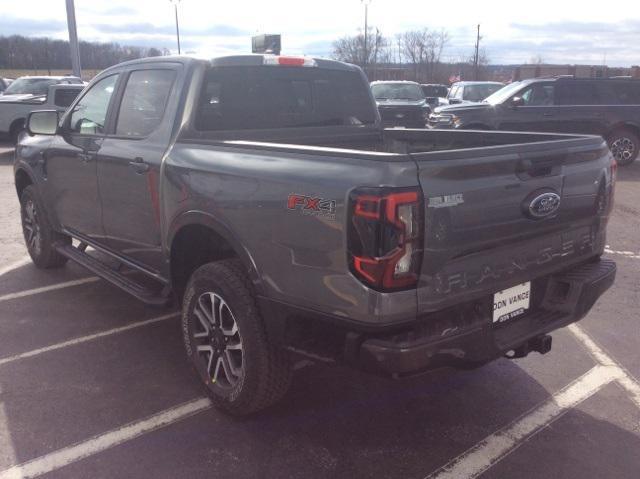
pixel 262 194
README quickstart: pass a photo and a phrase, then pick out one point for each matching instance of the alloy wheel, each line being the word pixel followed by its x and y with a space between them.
pixel 219 350
pixel 623 149
pixel 31 227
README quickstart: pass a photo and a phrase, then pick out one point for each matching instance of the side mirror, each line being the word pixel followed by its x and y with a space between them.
pixel 517 101
pixel 43 122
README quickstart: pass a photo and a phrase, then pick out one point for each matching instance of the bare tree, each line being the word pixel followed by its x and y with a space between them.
pixel 423 49
pixel 19 52
pixel 536 59
pixel 352 49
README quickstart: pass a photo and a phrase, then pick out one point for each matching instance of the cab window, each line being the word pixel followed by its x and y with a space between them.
pixel 64 97
pixel 89 114
pixel 538 94
pixel 144 101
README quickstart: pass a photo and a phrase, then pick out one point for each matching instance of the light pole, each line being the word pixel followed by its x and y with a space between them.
pixel 175 6
pixel 73 39
pixel 366 4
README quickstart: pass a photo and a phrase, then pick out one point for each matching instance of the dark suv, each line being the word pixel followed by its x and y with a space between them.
pixel 401 103
pixel 609 107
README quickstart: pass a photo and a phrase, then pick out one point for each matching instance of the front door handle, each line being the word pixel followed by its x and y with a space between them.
pixel 139 166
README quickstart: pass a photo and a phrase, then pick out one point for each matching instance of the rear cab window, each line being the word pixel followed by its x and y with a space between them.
pixel 264 97
pixel 578 93
pixel 144 102
pixel 64 97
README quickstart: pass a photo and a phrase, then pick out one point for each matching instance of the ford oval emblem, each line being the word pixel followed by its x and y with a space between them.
pixel 543 205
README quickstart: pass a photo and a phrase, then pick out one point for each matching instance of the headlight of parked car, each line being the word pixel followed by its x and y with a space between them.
pixel 444 119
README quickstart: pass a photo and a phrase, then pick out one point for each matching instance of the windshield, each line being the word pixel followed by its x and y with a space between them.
pixel 246 98
pixel 480 92
pixel 504 93
pixel 435 91
pixel 30 86
pixel 397 91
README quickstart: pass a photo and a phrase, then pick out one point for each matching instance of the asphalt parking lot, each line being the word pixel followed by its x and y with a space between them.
pixel 95 384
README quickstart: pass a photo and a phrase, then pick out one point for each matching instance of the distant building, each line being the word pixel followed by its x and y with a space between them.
pixel 579 71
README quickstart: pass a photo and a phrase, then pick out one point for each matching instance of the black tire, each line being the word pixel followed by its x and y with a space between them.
pixel 265 372
pixel 40 238
pixel 625 146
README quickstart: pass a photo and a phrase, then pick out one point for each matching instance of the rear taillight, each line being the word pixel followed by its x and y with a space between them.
pixel 289 61
pixel 385 237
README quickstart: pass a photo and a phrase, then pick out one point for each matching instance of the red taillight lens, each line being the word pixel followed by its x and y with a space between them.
pixel 385 237
pixel 289 61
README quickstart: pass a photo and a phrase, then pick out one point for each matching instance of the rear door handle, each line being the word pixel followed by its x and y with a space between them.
pixel 139 166
pixel 547 115
pixel 86 157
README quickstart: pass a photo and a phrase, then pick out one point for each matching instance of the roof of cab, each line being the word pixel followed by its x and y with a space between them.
pixel 232 60
pixel 478 83
pixel 400 82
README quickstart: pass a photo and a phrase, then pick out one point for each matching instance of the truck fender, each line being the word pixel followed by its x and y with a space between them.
pixel 202 218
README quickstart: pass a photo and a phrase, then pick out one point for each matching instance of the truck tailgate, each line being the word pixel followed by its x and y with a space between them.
pixel 500 216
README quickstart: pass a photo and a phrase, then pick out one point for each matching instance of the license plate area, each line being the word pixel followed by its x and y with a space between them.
pixel 511 303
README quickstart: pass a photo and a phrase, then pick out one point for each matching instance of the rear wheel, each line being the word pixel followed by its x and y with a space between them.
pixel 625 146
pixel 40 238
pixel 226 341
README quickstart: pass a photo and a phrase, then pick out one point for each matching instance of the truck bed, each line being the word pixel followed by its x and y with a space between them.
pixel 398 142
pixel 476 185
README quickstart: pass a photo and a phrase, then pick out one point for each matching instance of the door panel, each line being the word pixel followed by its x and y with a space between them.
pixel 72 184
pixel 71 161
pixel 129 166
pixel 537 113
pixel 130 198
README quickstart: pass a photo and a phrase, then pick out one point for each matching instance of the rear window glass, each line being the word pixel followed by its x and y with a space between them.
pixel 64 96
pixel 248 98
pixel 625 92
pixel 578 93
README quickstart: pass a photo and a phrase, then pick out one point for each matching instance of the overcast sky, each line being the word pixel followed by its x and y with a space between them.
pixel 512 32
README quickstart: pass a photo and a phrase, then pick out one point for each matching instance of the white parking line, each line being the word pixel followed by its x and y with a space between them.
pixel 15 265
pixel 624 377
pixel 63 457
pixel 488 452
pixel 628 254
pixel 84 339
pixel 7 451
pixel 44 289
pixel 485 454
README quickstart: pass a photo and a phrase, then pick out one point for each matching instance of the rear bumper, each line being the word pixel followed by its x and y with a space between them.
pixel 472 338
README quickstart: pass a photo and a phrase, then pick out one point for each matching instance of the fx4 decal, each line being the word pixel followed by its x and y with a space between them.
pixel 312 206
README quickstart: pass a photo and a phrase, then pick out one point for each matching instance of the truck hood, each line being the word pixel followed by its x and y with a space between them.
pixel 404 103
pixel 23 98
pixel 464 107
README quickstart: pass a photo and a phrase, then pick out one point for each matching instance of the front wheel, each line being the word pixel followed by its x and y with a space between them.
pixel 625 146
pixel 41 239
pixel 226 341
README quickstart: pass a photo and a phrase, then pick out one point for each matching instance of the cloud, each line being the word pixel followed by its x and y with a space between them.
pixel 28 27
pixel 569 42
pixel 120 10
pixel 149 29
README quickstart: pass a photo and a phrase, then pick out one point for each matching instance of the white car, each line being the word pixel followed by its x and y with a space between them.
pixel 28 94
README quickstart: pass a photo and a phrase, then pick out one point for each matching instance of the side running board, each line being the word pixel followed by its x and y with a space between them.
pixel 143 293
